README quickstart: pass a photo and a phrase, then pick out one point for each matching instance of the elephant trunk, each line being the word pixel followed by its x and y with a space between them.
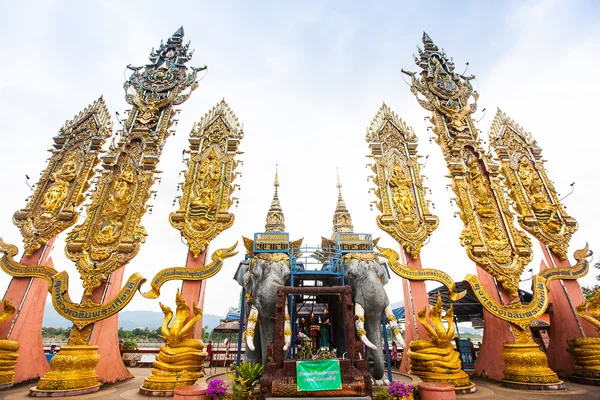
pixel 359 323
pixel 252 320
pixel 393 322
pixel 374 356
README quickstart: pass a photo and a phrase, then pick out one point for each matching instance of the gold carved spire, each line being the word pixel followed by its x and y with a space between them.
pixel 538 206
pixel 208 186
pixel 62 186
pixel 275 218
pixel 342 221
pixel 491 239
pixel 399 184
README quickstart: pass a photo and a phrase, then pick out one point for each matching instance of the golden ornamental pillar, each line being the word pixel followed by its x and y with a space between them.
pixel 112 234
pixel 203 214
pixel 540 212
pixel 52 208
pixel 405 214
pixel 208 191
pixel 490 238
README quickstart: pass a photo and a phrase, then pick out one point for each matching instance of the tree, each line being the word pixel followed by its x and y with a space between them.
pixel 588 291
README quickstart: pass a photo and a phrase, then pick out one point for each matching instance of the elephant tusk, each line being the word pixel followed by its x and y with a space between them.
pixel 393 322
pixel 360 326
pixel 367 342
pixel 287 329
pixel 252 320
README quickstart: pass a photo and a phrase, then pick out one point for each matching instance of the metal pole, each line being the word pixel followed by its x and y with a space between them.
pixel 387 346
pixel 241 328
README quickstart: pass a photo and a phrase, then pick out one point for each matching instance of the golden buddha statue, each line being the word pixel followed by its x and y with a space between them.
pixel 57 192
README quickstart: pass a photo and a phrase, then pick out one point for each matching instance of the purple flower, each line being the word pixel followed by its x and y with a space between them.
pixel 216 389
pixel 399 389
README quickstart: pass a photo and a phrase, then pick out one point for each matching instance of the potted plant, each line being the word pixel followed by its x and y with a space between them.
pixel 245 377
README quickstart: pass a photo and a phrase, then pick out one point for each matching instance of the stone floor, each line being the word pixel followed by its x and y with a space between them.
pixel 485 389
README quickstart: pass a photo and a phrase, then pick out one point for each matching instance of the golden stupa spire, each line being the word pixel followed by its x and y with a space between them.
pixel 275 218
pixel 342 221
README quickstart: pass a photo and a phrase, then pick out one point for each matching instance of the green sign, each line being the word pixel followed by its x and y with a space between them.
pixel 313 376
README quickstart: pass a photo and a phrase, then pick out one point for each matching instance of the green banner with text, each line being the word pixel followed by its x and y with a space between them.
pixel 313 376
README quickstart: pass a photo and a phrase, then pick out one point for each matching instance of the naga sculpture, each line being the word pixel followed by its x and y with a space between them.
pixel 435 359
pixel 180 361
pixel 8 351
pixel 586 350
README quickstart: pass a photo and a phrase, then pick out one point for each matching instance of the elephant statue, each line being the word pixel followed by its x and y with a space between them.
pixel 261 275
pixel 367 277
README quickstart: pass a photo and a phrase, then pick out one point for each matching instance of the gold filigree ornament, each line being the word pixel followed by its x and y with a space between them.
pixel 399 184
pixel 208 186
pixel 424 274
pixel 112 233
pixel 489 236
pixel 52 207
pixel 586 350
pixel 180 361
pixel 539 209
pixel 524 361
pixel 435 359
pixel 8 350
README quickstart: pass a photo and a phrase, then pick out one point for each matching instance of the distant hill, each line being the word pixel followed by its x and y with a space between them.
pixel 128 320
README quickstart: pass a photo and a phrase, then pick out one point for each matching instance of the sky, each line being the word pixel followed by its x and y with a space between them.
pixel 306 80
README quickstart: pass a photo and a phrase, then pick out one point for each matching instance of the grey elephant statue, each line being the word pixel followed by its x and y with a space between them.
pixel 261 275
pixel 367 277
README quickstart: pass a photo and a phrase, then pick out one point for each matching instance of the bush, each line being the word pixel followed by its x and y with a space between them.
pixel 246 379
pixel 130 345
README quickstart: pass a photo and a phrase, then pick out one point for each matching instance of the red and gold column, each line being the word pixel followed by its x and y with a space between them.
pixel 490 238
pixel 406 217
pixel 112 233
pixel 52 208
pixel 541 213
pixel 203 214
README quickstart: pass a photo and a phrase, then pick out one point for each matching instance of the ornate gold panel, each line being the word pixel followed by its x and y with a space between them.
pixel 206 199
pixel 60 191
pixel 490 237
pixel 540 210
pixel 112 232
pixel 405 213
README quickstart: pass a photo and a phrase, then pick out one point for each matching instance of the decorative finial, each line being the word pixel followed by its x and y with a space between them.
pixel 426 38
pixel 275 218
pixel 342 221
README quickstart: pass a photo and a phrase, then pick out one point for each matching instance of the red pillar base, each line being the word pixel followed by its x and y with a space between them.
pixel 193 291
pixel 29 296
pixel 564 322
pixel 415 298
pixel 496 332
pixel 105 335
